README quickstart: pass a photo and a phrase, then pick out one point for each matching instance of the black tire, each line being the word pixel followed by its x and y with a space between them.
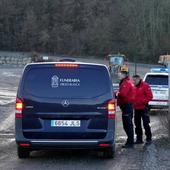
pixel 23 153
pixel 109 153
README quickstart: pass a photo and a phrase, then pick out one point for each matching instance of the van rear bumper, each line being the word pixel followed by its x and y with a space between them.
pixel 67 144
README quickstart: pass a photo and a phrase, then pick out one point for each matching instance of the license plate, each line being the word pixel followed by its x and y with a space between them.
pixel 65 123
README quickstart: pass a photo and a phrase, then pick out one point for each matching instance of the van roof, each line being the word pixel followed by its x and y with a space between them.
pixel 53 63
pixel 82 63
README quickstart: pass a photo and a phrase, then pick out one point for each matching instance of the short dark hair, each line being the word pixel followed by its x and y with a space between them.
pixel 136 76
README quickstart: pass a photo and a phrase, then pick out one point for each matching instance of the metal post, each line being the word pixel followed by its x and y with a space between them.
pixel 135 64
pixel 169 99
pixel 135 68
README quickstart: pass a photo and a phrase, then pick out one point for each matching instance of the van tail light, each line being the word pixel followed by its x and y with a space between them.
pixel 111 109
pixel 18 108
pixel 24 145
pixel 66 65
pixel 104 145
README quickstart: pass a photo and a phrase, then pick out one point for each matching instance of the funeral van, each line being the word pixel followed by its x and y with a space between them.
pixel 65 105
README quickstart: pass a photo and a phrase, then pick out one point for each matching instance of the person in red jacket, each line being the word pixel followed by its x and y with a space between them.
pixel 143 95
pixel 125 99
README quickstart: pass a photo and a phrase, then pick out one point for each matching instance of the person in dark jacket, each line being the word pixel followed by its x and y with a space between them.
pixel 125 97
pixel 143 95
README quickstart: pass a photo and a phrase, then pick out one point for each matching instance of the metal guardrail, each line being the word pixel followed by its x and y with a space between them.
pixel 145 65
pixel 140 68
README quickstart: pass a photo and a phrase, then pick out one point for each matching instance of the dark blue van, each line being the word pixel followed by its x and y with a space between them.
pixel 65 105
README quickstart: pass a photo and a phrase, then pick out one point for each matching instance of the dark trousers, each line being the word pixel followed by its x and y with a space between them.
pixel 142 114
pixel 127 116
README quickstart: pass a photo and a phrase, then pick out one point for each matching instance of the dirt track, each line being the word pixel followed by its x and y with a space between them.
pixel 124 158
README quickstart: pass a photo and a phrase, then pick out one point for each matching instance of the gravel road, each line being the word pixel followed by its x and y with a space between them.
pixel 129 159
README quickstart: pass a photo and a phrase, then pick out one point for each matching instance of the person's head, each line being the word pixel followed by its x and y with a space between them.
pixel 123 74
pixel 136 79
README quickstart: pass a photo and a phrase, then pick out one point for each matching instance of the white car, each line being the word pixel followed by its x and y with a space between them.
pixel 159 85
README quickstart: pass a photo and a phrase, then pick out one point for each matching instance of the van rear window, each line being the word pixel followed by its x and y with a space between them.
pixel 80 82
pixel 157 79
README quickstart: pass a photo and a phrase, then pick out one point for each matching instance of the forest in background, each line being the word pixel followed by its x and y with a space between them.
pixel 138 28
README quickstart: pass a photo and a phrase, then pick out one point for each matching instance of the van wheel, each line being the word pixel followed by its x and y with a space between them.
pixel 23 153
pixel 109 153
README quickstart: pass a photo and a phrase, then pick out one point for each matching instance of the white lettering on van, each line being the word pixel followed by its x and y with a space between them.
pixel 57 82
pixel 69 80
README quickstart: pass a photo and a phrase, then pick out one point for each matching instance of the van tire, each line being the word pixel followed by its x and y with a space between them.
pixel 109 153
pixel 23 153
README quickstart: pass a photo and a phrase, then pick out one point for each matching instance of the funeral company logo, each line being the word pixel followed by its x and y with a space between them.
pixel 56 81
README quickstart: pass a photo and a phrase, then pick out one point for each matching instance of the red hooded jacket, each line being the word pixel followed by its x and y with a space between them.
pixel 126 92
pixel 143 95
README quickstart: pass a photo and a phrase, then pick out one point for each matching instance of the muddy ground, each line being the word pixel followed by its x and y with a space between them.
pixel 141 157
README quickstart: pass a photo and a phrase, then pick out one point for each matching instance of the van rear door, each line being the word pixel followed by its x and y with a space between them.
pixel 65 101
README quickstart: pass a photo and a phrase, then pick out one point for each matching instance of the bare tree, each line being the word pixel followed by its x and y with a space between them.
pixel 138 28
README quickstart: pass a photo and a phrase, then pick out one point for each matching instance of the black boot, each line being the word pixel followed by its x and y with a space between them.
pixel 138 141
pixel 128 145
pixel 148 141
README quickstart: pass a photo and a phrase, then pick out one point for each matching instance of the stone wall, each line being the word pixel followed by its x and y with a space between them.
pixel 18 59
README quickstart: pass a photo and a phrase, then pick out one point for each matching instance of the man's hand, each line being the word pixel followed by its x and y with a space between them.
pixel 117 93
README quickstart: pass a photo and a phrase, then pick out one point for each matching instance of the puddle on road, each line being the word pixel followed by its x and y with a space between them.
pixel 8 84
pixel 7 123
pixel 7 135
pixel 6 142
pixel 10 74
pixel 7 96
